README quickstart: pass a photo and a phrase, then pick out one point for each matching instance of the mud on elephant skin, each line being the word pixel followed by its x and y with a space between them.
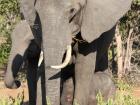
pixel 26 51
pixel 101 82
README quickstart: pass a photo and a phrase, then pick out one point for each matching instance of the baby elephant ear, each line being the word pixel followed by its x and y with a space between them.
pixel 101 15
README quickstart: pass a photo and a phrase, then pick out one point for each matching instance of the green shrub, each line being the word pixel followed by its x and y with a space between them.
pixel 4 53
pixel 123 96
pixel 9 16
pixel 11 101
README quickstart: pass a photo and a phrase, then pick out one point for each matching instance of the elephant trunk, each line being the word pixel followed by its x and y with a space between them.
pixel 21 38
pixel 53 57
pixel 56 36
pixel 14 64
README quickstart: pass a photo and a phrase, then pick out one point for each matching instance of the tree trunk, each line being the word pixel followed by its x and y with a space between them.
pixel 119 53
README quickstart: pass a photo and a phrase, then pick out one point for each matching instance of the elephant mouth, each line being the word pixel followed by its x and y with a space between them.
pixel 64 64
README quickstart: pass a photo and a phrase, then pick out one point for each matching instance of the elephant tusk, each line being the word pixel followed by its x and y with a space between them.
pixel 64 64
pixel 40 59
pixel 66 61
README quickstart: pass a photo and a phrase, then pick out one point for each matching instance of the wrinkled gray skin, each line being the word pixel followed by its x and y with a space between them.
pixel 60 19
pixel 101 82
pixel 25 51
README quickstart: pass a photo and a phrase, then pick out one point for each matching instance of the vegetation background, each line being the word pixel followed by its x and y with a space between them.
pixel 124 53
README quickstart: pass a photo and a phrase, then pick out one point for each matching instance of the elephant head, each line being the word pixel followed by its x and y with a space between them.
pixel 60 19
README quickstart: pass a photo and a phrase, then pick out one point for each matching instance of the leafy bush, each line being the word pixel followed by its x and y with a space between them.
pixel 11 101
pixel 129 31
pixel 4 53
pixel 9 16
pixel 123 96
pixel 131 20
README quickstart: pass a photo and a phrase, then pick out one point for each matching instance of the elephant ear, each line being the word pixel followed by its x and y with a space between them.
pixel 27 8
pixel 101 15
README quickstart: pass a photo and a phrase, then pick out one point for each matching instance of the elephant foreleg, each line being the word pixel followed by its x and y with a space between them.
pixel 84 71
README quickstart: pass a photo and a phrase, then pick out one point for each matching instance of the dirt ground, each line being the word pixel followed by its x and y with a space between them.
pixel 136 92
pixel 4 92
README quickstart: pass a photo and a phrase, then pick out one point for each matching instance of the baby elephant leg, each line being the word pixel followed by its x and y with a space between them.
pixel 102 83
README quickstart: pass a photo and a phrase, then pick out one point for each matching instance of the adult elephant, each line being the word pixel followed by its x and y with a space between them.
pixel 61 20
pixel 93 21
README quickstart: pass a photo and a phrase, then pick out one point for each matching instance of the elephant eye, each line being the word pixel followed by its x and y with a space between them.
pixel 72 13
pixel 72 10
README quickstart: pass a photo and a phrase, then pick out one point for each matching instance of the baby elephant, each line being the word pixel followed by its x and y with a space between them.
pixel 101 83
